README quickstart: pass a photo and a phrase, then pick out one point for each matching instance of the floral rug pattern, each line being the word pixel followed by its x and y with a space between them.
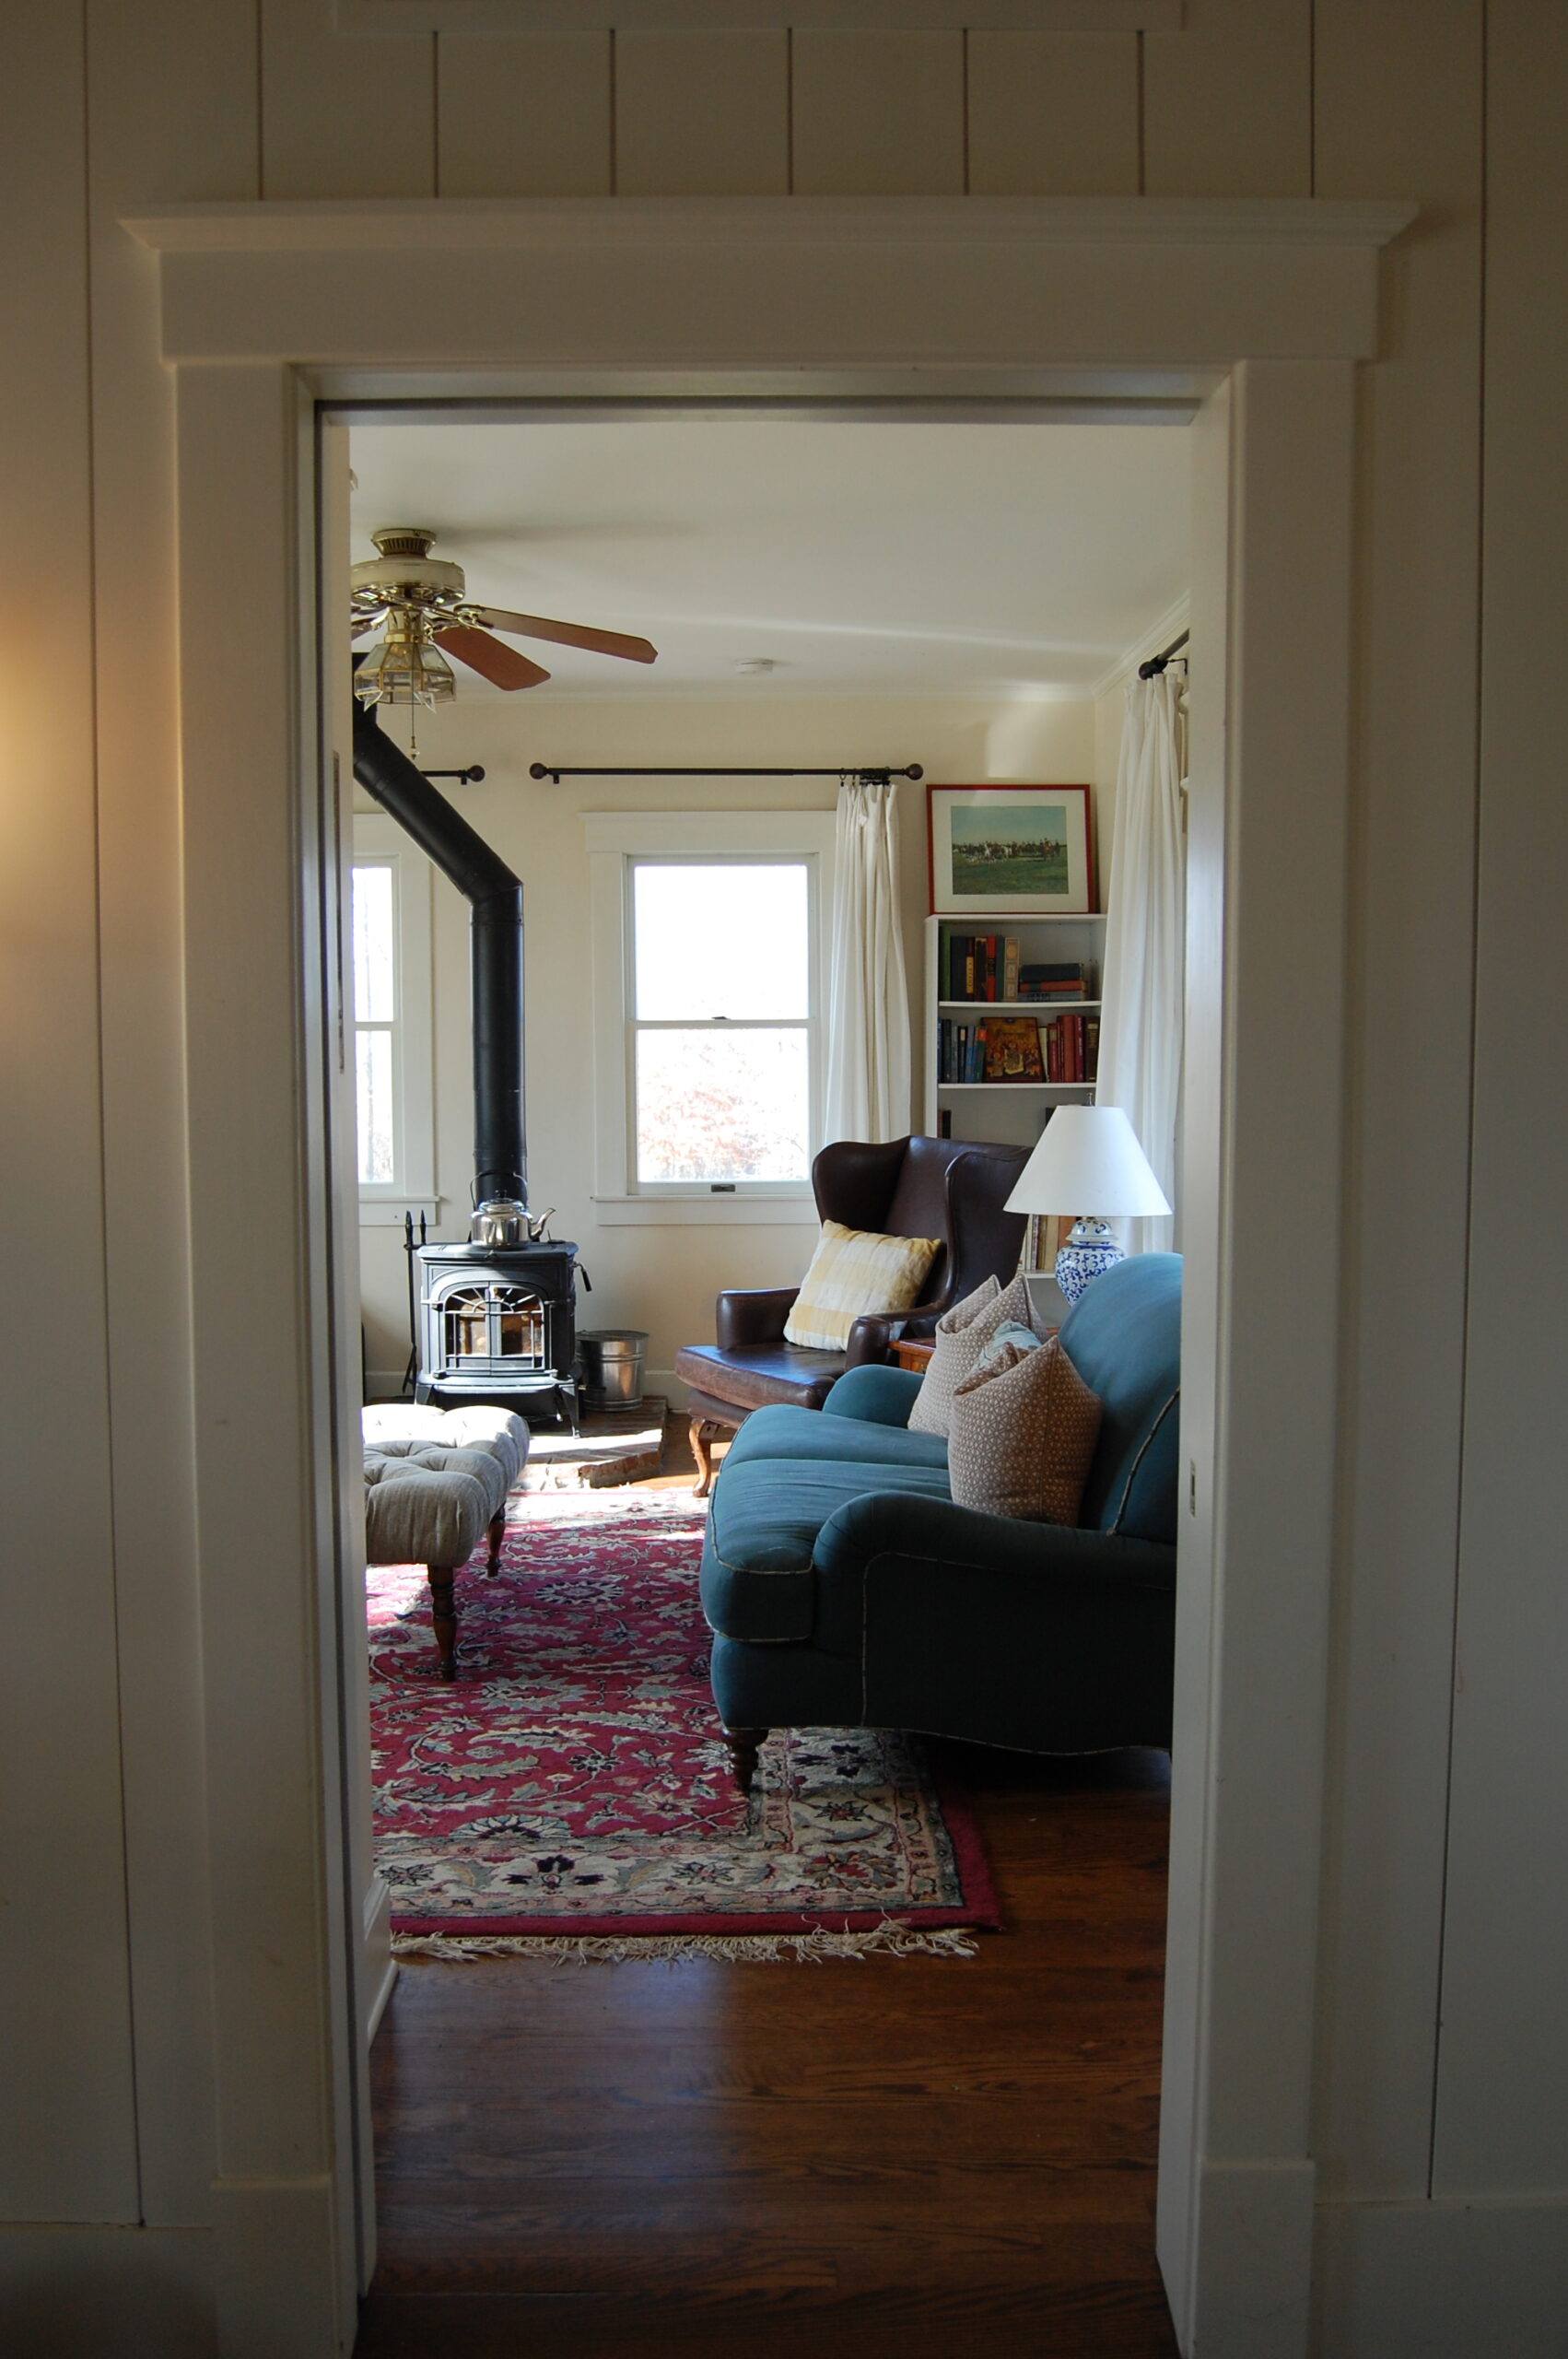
pixel 571 1780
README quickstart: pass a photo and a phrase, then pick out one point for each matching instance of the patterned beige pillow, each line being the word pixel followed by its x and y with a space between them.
pixel 1022 1435
pixel 962 1334
pixel 854 1270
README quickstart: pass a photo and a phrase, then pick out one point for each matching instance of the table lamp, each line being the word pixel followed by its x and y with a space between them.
pixel 1088 1154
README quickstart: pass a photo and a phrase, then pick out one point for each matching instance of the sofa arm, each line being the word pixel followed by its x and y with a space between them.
pixel 752 1315
pixel 1056 1555
pixel 881 1396
pixel 1029 1634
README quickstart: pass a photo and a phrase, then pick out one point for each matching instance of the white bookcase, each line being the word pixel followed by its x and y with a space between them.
pixel 1012 1111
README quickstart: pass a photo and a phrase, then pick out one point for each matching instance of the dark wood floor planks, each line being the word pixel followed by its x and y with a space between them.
pixel 905 2156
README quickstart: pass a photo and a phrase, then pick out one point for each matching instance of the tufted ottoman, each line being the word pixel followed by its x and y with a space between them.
pixel 435 1479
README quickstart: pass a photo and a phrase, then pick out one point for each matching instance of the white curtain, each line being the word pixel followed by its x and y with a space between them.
pixel 868 998
pixel 1141 1018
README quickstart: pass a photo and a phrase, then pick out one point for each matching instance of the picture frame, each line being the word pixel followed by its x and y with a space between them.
pixel 1010 850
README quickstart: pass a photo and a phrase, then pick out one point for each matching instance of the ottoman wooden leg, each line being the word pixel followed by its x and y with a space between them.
pixel 443 1613
pixel 745 1745
pixel 498 1534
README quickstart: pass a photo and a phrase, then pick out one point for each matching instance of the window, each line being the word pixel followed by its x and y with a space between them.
pixel 708 992
pixel 389 958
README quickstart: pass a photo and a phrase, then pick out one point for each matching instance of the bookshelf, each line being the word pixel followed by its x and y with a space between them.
pixel 1011 1110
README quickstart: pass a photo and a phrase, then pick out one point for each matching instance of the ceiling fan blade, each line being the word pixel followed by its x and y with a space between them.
pixel 597 642
pixel 502 665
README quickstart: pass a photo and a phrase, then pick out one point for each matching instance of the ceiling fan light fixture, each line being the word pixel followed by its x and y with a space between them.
pixel 404 668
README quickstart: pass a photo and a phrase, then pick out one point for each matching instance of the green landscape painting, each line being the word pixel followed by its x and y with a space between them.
pixel 1000 852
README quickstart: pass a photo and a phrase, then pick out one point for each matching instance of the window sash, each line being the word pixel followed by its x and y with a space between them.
pixel 379 843
pixel 617 842
pixel 810 1024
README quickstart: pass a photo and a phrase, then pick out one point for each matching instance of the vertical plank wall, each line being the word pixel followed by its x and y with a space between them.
pixel 171 98
pixel 1504 2060
pixel 198 98
pixel 70 2149
pixel 1398 104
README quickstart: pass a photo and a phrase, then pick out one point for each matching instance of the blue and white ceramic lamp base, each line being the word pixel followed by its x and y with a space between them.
pixel 1091 1249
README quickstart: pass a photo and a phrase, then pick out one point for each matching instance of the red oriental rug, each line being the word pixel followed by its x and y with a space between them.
pixel 570 1791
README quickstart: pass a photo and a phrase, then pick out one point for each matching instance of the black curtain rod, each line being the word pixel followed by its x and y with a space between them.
pixel 1157 663
pixel 845 770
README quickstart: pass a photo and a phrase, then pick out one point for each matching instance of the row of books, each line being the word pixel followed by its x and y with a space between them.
pixel 990 966
pixel 1020 1048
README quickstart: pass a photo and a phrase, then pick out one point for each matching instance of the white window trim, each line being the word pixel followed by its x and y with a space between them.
pixel 613 838
pixel 380 841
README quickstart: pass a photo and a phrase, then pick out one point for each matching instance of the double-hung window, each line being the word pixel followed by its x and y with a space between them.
pixel 390 959
pixel 708 1001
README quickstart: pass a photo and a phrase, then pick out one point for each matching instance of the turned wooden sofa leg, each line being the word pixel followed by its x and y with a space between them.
pixel 443 1614
pixel 745 1745
pixel 497 1535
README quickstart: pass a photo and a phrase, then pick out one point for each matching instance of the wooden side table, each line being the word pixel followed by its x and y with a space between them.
pixel 913 1356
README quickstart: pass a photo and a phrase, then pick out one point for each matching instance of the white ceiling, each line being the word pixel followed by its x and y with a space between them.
pixel 861 558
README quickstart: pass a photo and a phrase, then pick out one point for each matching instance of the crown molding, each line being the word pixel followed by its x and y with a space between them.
pixel 392 17
pixel 1171 625
pixel 617 223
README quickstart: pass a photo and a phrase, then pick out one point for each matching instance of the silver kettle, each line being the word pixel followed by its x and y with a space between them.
pixel 500 1220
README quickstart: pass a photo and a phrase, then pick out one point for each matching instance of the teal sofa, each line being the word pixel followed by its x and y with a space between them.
pixel 846 1590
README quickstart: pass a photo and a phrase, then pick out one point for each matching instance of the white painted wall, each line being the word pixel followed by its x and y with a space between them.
pixel 663 1279
pixel 1447 1500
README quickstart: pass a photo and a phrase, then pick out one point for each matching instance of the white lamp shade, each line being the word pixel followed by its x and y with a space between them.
pixel 1087 1160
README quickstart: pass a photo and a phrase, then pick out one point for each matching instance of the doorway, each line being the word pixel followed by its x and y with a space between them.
pixel 858 2158
pixel 256 344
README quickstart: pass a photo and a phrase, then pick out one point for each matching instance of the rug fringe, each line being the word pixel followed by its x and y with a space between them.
pixel 749 1949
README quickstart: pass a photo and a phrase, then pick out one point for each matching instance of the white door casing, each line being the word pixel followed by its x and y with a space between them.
pixel 269 310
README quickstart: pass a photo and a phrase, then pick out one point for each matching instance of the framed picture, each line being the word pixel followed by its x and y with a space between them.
pixel 1018 849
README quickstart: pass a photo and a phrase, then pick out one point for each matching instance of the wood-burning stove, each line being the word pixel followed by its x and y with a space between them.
pixel 497 1323
pixel 495 1319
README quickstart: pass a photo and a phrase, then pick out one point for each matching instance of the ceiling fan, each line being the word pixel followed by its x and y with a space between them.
pixel 422 603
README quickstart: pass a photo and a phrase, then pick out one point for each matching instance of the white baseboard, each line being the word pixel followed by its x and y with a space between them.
pixel 1250 2289
pixel 281 2292
pixel 380 1965
pixel 1442 2280
pixel 100 2293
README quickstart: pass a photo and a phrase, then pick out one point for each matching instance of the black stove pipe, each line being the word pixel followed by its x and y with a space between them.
pixel 500 1150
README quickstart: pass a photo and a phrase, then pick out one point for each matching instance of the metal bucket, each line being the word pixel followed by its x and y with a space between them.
pixel 612 1359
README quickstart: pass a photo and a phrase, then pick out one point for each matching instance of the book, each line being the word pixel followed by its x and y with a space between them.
pixel 1010 968
pixel 1013 1050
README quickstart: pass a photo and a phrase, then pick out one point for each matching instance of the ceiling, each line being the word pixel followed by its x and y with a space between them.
pixel 861 557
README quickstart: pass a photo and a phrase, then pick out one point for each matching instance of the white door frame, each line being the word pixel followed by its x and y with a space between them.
pixel 1265 306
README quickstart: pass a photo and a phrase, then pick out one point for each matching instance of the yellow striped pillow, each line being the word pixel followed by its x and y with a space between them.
pixel 854 1270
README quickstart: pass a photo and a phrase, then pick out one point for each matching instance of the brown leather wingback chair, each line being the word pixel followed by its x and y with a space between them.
pixel 955 1189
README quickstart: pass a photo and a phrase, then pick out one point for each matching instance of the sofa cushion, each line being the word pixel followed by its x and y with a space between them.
pixel 834 1439
pixel 757 1580
pixel 854 1270
pixel 1123 1335
pixel 1025 1425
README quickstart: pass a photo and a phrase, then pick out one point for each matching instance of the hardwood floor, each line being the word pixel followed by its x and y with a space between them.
pixel 913 2156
